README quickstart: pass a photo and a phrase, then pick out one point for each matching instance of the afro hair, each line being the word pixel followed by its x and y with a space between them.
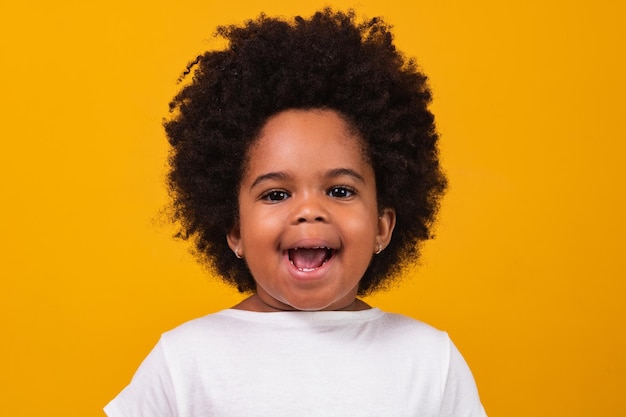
pixel 329 61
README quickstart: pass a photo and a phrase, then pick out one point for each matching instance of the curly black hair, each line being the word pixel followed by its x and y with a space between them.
pixel 329 61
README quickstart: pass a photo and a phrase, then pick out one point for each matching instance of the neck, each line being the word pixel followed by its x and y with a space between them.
pixel 256 303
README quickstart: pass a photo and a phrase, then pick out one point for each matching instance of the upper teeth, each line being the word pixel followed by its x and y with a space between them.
pixel 314 247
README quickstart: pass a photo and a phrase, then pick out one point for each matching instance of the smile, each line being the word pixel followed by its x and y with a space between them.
pixel 310 259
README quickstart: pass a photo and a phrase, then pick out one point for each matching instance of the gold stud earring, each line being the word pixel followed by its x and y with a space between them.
pixel 379 249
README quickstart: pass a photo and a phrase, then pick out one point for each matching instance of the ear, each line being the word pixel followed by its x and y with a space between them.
pixel 234 240
pixel 386 224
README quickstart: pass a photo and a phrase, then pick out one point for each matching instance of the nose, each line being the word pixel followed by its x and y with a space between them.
pixel 310 208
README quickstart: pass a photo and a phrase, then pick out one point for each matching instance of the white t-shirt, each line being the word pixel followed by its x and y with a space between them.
pixel 239 363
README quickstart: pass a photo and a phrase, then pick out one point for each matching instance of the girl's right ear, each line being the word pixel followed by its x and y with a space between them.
pixel 234 241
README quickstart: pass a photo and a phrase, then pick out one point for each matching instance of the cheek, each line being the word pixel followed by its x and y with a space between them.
pixel 362 229
pixel 259 227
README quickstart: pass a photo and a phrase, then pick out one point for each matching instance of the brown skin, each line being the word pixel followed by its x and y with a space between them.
pixel 308 185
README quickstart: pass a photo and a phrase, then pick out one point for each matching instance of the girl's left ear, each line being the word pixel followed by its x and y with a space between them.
pixel 386 223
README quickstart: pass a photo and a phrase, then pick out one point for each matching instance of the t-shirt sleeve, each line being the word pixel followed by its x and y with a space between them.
pixel 460 397
pixel 150 392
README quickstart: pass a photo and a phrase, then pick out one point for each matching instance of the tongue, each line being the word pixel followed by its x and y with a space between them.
pixel 308 258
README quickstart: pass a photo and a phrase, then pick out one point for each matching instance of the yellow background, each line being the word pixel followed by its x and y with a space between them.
pixel 526 273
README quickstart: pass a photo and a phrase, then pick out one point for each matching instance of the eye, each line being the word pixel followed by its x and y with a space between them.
pixel 275 195
pixel 341 192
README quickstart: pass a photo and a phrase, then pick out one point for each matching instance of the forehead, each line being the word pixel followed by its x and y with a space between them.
pixel 306 139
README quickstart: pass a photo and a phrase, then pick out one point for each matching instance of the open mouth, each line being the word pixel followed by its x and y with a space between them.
pixel 309 259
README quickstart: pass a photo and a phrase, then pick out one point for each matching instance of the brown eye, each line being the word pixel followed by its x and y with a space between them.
pixel 275 195
pixel 341 192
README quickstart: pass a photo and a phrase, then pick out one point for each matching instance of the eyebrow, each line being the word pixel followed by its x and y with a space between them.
pixel 269 176
pixel 341 172
pixel 333 173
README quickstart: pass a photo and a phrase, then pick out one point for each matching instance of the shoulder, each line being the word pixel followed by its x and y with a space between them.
pixel 211 325
pixel 413 329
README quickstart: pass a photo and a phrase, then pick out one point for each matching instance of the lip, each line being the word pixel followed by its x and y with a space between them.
pixel 311 243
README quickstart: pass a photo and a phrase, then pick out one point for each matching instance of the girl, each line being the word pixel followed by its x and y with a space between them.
pixel 304 166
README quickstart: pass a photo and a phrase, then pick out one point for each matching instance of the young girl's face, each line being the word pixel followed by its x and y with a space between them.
pixel 309 223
